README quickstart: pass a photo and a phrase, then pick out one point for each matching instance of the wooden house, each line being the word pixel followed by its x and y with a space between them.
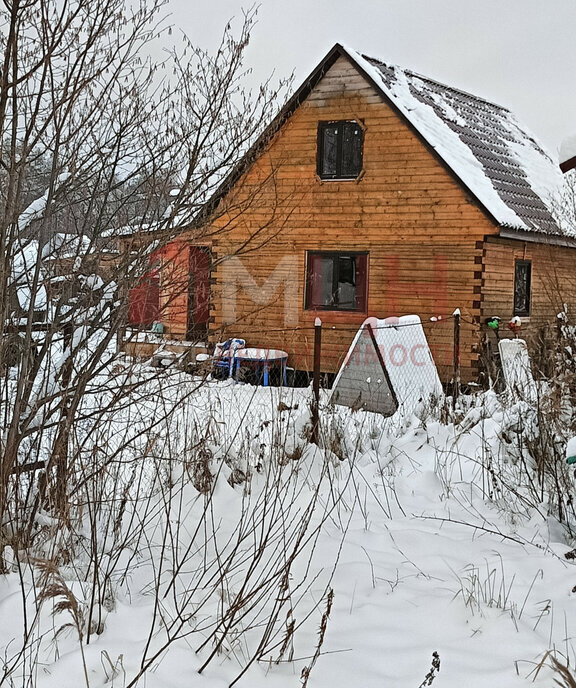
pixel 376 192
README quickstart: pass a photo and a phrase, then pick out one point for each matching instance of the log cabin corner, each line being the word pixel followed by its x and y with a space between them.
pixel 375 192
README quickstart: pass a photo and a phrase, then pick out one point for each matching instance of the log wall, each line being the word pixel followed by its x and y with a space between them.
pixel 424 234
pixel 553 283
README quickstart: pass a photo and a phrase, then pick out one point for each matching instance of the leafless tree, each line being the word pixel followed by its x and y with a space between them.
pixel 104 132
pixel 95 467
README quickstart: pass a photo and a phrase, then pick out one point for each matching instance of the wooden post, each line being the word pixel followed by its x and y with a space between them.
pixel 456 381
pixel 559 322
pixel 316 380
pixel 60 447
pixel 67 365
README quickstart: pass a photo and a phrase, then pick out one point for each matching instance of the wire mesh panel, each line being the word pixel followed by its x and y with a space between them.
pixel 439 331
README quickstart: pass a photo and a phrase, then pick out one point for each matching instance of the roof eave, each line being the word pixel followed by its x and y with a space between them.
pixel 536 237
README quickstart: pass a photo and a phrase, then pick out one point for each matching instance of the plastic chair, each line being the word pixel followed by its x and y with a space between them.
pixel 224 353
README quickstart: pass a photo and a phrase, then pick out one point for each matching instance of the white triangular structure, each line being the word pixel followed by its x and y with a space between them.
pixel 407 359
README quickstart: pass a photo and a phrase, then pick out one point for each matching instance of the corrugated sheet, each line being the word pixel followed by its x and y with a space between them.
pixel 494 138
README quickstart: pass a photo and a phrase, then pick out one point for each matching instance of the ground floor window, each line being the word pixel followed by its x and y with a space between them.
pixel 337 281
pixel 522 279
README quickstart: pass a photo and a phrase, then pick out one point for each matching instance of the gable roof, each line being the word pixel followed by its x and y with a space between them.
pixel 482 144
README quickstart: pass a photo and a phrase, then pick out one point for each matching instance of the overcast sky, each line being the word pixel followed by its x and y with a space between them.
pixel 517 53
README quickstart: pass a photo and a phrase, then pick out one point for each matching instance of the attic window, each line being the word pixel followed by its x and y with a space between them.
pixel 339 154
pixel 522 279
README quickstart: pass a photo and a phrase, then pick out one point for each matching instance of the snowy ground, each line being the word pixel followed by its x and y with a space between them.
pixel 426 532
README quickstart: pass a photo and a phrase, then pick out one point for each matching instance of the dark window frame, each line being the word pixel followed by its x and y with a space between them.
pixel 340 173
pixel 522 287
pixel 361 269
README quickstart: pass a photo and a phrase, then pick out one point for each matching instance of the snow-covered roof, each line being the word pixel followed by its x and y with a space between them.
pixel 125 230
pixel 483 144
pixel 37 208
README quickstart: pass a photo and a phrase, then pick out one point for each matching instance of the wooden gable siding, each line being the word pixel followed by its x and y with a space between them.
pixel 553 282
pixel 423 233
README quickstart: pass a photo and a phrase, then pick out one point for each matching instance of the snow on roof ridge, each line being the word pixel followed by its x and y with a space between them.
pixel 442 84
pixel 394 65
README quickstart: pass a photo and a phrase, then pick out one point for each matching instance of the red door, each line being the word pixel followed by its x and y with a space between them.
pixel 144 299
pixel 198 292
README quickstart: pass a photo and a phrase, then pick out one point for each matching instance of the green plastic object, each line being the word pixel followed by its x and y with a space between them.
pixel 493 323
pixel 571 451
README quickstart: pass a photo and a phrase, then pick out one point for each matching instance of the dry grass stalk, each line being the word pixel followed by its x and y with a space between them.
pixel 564 677
pixel 306 671
pixel 434 670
